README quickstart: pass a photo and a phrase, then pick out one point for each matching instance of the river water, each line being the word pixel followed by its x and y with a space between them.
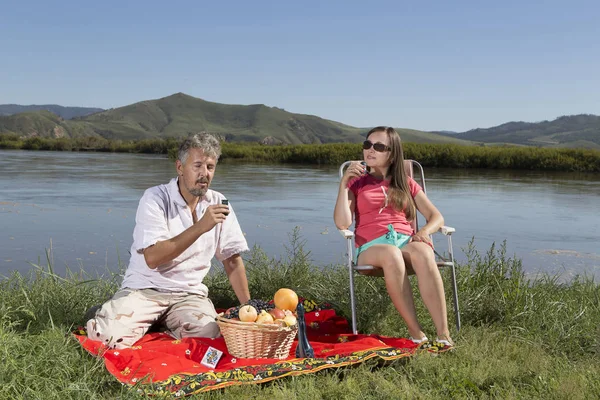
pixel 81 206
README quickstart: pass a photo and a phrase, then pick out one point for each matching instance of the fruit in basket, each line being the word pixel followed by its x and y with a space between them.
pixel 258 305
pixel 286 299
pixel 280 322
pixel 247 314
pixel 277 313
pixel 290 320
pixel 264 318
pixel 232 312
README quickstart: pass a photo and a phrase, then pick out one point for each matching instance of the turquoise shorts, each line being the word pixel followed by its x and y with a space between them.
pixel 392 237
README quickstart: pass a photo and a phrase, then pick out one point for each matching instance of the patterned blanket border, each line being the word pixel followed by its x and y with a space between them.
pixel 190 384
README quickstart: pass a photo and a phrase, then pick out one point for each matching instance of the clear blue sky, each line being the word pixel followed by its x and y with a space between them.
pixel 451 65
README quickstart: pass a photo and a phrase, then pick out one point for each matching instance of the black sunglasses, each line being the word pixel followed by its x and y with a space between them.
pixel 380 147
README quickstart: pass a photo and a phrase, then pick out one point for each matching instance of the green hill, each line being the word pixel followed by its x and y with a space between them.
pixel 567 131
pixel 63 112
pixel 415 136
pixel 43 124
pixel 179 114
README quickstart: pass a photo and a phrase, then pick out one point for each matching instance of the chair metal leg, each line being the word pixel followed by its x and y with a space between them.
pixel 351 275
pixel 454 286
pixel 352 295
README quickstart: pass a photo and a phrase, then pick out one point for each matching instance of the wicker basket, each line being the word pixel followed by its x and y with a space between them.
pixel 252 340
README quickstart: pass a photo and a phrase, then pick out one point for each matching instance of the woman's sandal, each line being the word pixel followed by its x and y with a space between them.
pixel 440 346
pixel 422 344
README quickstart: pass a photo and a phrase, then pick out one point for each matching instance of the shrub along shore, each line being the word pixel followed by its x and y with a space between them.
pixel 522 337
pixel 429 155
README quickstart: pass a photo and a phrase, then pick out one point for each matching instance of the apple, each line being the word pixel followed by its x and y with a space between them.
pixel 277 313
pixel 247 314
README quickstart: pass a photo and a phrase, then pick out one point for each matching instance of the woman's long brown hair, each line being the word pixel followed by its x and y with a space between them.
pixel 399 192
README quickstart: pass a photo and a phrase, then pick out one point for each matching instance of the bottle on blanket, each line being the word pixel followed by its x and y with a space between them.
pixel 304 349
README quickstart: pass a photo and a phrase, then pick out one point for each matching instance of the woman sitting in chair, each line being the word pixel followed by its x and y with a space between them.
pixel 384 201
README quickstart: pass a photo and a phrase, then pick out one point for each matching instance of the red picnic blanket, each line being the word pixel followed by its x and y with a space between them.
pixel 158 363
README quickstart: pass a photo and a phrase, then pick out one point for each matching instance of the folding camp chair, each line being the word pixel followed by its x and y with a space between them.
pixel 409 166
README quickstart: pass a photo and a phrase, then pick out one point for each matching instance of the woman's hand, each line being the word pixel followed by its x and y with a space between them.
pixel 354 170
pixel 422 237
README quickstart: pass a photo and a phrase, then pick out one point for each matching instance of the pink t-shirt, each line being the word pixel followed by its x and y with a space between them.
pixel 373 214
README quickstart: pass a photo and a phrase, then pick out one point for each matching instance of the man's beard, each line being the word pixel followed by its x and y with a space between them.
pixel 199 192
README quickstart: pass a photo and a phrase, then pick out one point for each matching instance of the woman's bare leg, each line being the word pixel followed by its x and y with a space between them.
pixel 390 259
pixel 422 259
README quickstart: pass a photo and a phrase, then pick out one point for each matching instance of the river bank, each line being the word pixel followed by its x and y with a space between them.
pixel 429 155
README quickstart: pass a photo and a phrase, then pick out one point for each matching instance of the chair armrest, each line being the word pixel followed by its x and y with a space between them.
pixel 346 233
pixel 447 230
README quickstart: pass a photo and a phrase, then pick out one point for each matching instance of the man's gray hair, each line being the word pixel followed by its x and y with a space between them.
pixel 203 140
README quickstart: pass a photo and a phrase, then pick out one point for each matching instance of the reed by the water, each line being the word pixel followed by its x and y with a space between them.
pixel 430 155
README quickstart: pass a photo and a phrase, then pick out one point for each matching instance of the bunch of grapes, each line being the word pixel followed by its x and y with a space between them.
pixel 258 304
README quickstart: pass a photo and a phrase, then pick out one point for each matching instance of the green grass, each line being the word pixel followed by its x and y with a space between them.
pixel 521 338
pixel 429 155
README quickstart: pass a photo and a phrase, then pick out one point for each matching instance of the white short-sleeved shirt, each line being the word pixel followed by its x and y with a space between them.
pixel 163 214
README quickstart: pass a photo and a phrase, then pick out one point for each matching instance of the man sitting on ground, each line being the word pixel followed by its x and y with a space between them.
pixel 180 227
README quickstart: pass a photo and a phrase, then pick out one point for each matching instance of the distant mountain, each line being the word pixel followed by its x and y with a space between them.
pixel 581 130
pixel 63 112
pixel 179 114
pixel 445 132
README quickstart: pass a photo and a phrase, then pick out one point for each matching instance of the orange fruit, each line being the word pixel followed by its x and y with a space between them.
pixel 286 299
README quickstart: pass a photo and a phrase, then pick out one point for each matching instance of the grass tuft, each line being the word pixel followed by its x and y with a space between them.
pixel 522 337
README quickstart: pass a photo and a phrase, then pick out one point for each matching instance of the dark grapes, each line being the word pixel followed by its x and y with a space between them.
pixel 260 305
pixel 232 312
